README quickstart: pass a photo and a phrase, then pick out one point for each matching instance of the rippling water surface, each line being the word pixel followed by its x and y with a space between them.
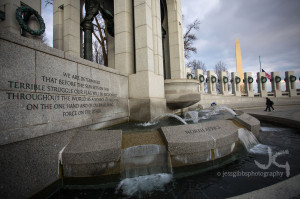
pixel 239 173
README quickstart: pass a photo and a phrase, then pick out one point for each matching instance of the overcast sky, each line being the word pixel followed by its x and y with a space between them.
pixel 266 28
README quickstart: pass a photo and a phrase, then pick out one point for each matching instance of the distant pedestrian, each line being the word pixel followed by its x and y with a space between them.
pixel 268 104
pixel 271 105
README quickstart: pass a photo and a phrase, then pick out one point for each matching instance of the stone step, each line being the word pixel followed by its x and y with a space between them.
pixel 92 153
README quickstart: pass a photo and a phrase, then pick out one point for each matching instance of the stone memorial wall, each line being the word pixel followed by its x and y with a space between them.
pixel 44 90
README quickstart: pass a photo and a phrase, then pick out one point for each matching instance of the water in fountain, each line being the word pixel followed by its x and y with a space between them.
pixel 145 169
pixel 214 110
pixel 272 129
pixel 251 143
pixel 144 160
pixel 247 138
pixel 156 120
pixel 191 116
pixel 227 109
pixel 142 186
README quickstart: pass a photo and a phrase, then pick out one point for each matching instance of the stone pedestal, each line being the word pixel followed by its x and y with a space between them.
pixel 211 82
pixel 248 84
pixel 189 73
pixel 236 90
pixel 276 84
pixel 290 81
pixel 223 81
pixel 201 78
pixel 261 84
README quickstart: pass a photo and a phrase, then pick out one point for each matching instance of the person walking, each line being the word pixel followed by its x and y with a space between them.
pixel 271 105
pixel 268 102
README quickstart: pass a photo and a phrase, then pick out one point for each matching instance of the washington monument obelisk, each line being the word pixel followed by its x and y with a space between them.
pixel 239 66
pixel 238 55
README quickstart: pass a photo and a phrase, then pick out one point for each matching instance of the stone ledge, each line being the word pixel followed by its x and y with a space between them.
pixel 85 62
pixel 92 153
pixel 91 170
pixel 250 122
pixel 278 120
pixel 93 147
pixel 30 43
pixel 194 138
pixel 202 156
pixel 39 46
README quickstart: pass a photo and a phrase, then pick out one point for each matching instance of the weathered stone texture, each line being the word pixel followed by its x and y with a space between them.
pixel 193 143
pixel 250 122
pixel 92 152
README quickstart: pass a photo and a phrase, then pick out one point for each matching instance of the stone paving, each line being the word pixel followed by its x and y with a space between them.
pixel 289 112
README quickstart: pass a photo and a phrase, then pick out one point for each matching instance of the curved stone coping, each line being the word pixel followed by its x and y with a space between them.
pixel 182 100
pixel 195 138
pixel 289 188
pixel 250 122
pixel 278 120
pixel 92 153
pixel 93 147
pixel 181 93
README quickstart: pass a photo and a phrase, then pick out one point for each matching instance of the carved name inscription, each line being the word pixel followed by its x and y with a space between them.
pixel 203 130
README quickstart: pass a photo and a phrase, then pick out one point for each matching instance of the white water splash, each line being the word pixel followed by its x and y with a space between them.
pixel 191 116
pixel 227 109
pixel 144 185
pixel 259 149
pixel 272 129
pixel 144 160
pixel 145 124
pixel 156 120
pixel 251 143
pixel 176 117
pixel 247 138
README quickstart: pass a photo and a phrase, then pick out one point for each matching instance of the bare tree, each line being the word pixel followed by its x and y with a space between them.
pixel 45 40
pixel 221 66
pixel 196 64
pixel 189 37
pixel 97 53
pixel 100 33
pixel 49 2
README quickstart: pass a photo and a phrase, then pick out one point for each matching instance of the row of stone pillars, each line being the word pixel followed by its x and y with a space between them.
pixel 247 83
pixel 137 47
